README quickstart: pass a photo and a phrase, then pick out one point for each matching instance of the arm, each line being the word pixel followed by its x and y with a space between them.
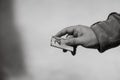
pixel 108 32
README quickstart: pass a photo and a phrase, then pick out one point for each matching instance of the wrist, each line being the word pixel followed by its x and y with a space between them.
pixel 95 40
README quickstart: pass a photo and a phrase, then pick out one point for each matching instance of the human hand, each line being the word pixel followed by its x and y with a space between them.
pixel 82 35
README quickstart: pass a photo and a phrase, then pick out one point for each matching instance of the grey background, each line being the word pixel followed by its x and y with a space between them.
pixel 38 20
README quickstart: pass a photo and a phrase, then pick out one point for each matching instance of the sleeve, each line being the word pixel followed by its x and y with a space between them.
pixel 108 32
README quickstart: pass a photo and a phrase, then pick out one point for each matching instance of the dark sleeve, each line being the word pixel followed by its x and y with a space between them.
pixel 108 32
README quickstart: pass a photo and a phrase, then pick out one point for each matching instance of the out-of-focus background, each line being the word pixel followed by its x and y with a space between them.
pixel 38 20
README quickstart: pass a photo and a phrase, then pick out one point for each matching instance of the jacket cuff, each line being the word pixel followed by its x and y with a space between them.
pixel 101 36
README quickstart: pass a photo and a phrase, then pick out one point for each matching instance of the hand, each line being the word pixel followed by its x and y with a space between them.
pixel 82 35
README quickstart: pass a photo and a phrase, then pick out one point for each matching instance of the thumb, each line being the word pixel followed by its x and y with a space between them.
pixel 73 41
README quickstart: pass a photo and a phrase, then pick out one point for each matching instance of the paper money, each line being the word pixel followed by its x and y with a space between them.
pixel 59 43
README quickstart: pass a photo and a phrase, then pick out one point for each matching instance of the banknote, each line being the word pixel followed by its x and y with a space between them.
pixel 59 43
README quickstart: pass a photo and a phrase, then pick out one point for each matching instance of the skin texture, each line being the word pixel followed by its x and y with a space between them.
pixel 82 35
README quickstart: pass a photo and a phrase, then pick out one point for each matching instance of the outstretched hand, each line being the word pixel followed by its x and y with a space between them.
pixel 82 35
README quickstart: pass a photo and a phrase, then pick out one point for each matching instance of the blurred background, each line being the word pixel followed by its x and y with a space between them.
pixel 38 20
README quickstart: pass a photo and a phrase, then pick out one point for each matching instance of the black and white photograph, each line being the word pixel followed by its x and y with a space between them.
pixel 59 39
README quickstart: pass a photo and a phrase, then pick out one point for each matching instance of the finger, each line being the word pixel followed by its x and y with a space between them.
pixel 64 50
pixel 68 30
pixel 69 36
pixel 74 51
pixel 73 41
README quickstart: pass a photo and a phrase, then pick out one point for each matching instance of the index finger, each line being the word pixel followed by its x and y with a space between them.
pixel 68 30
